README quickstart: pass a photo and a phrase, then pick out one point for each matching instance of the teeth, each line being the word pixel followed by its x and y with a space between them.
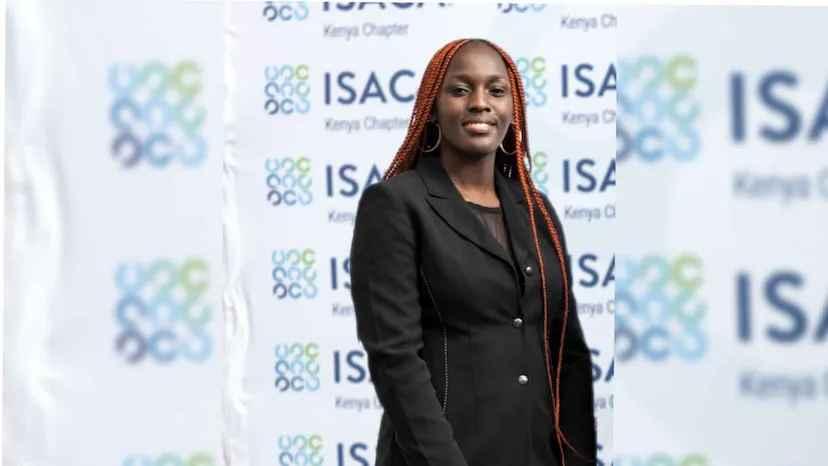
pixel 478 125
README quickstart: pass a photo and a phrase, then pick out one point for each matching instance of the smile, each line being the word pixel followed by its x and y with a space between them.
pixel 478 127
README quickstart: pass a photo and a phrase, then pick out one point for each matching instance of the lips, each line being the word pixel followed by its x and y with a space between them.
pixel 479 126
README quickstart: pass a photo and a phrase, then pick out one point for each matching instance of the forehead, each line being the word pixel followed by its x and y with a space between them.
pixel 477 59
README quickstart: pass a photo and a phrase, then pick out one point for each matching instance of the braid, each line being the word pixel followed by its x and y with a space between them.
pixel 534 199
pixel 429 87
pixel 410 151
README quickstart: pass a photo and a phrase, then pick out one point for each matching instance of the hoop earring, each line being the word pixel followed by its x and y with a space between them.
pixel 436 144
pixel 504 150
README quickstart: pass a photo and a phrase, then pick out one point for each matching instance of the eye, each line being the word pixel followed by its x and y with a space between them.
pixel 457 90
pixel 499 91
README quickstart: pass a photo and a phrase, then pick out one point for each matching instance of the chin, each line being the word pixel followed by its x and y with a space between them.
pixel 478 151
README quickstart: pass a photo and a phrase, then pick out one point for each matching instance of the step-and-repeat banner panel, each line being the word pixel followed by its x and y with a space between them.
pixel 114 271
pixel 722 321
pixel 323 93
pixel 182 184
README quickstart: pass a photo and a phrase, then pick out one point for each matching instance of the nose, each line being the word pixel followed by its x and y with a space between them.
pixel 479 101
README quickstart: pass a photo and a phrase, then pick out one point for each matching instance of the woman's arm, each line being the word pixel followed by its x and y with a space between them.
pixel 386 303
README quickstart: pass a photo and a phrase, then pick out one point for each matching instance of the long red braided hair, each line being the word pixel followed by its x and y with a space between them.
pixel 514 166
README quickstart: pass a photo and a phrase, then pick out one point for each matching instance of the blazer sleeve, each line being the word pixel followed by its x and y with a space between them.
pixel 386 303
pixel 577 397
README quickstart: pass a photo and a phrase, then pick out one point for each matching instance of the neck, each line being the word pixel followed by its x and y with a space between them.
pixel 473 177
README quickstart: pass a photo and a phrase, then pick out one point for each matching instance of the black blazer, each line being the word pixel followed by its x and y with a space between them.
pixel 453 329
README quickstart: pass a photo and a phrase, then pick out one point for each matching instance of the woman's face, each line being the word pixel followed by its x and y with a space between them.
pixel 474 106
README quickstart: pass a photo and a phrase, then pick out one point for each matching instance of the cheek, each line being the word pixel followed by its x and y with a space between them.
pixel 508 110
pixel 448 114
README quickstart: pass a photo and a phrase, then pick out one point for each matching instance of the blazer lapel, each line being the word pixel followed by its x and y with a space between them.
pixel 444 198
pixel 516 217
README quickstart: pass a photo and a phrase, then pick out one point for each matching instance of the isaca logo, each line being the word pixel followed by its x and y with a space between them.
pixel 533 73
pixel 539 173
pixel 771 309
pixel 753 97
pixel 378 6
pixel 300 450
pixel 161 312
pixel 351 367
pixel 587 80
pixel 287 89
pixel 657 108
pixel 520 7
pixel 587 175
pixel 297 367
pixel 662 459
pixel 294 273
pixel 156 114
pixel 352 88
pixel 348 180
pixel 285 11
pixel 288 181
pixel 659 309
pixel 170 459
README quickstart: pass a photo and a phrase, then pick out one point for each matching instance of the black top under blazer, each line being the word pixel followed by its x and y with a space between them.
pixel 453 329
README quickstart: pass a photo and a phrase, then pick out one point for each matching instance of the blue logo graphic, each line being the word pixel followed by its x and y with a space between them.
pixel 662 459
pixel 287 89
pixel 658 111
pixel 170 459
pixel 520 7
pixel 156 114
pixel 294 273
pixel 162 313
pixel 288 181
pixel 285 11
pixel 659 310
pixel 297 367
pixel 300 450
pixel 533 73
pixel 540 175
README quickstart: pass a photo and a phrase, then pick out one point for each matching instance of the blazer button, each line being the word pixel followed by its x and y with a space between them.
pixel 528 270
pixel 517 323
pixel 523 380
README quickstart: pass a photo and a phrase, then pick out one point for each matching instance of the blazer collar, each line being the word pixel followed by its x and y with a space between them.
pixel 452 208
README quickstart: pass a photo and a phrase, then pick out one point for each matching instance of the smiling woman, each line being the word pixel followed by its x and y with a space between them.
pixel 462 288
pixel 474 109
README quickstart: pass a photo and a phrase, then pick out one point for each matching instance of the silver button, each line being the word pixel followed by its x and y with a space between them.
pixel 528 270
pixel 523 380
pixel 517 323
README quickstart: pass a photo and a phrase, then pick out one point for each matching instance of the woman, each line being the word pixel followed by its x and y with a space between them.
pixel 457 261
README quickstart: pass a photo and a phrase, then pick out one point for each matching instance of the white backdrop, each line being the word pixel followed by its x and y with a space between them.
pixel 723 320
pixel 322 104
pixel 182 184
